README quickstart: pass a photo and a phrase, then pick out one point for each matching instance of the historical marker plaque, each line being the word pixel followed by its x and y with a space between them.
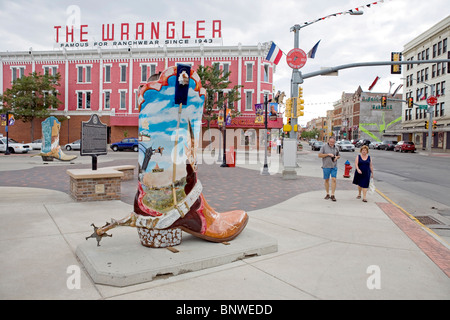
pixel 93 137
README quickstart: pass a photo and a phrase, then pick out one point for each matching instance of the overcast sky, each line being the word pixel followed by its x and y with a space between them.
pixel 385 27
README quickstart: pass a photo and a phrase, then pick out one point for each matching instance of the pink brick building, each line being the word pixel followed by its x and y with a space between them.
pixel 105 82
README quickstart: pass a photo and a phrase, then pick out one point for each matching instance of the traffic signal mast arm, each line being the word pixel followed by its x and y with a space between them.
pixel 401 100
pixel 365 64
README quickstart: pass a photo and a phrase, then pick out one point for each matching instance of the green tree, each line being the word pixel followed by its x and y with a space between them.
pixel 32 97
pixel 310 134
pixel 216 82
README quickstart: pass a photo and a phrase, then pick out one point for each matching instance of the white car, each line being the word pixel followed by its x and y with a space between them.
pixel 14 146
pixel 76 145
pixel 36 144
pixel 374 145
pixel 345 145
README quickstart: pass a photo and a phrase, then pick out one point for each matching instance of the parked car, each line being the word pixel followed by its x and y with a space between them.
pixel 346 145
pixel 316 145
pixel 76 145
pixel 362 142
pixel 387 145
pixel 13 146
pixel 405 146
pixel 36 144
pixel 375 145
pixel 127 143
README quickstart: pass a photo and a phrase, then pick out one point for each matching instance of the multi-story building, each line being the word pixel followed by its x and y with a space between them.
pixel 424 80
pixel 360 115
pixel 106 81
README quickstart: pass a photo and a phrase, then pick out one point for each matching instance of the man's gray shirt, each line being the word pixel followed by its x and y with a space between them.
pixel 328 162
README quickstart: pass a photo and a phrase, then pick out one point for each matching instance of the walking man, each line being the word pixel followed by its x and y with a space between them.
pixel 329 154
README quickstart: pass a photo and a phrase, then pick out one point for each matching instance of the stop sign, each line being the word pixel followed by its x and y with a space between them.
pixel 432 100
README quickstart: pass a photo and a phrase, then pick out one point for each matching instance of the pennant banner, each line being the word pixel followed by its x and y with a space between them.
pixel 351 11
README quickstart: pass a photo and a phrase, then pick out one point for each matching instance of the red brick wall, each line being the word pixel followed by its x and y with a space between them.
pixel 21 131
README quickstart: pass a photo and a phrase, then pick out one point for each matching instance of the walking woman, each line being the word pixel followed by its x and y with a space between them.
pixel 363 172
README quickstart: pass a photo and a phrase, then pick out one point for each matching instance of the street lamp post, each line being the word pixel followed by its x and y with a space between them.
pixel 68 129
pixel 224 157
pixel 7 135
pixel 265 170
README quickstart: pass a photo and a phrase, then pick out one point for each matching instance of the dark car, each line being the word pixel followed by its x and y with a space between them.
pixel 405 146
pixel 362 142
pixel 126 144
pixel 316 145
pixel 387 145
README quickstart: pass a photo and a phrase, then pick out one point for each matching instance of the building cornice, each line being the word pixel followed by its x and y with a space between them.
pixel 198 52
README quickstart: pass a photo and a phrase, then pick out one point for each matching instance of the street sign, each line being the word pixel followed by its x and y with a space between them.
pixel 432 100
pixel 423 106
pixel 296 58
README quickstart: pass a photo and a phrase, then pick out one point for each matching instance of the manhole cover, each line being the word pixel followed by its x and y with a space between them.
pixel 426 220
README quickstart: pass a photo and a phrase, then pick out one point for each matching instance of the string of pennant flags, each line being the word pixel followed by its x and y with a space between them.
pixel 350 11
pixel 275 53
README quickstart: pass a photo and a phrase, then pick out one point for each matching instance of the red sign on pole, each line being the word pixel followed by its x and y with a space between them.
pixel 432 100
pixel 296 58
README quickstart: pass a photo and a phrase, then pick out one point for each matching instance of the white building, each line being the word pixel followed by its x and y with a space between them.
pixel 424 80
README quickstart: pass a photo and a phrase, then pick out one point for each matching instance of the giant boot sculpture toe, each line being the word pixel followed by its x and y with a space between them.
pixel 169 196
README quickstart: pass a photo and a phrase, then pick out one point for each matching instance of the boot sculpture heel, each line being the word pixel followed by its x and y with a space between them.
pixel 169 196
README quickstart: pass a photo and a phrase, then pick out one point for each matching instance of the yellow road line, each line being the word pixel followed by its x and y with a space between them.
pixel 410 215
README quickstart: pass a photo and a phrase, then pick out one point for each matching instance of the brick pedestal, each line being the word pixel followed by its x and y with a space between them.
pixel 95 185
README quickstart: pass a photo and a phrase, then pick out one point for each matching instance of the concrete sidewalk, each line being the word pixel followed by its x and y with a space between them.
pixel 326 250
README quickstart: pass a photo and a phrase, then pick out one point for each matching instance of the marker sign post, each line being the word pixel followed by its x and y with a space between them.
pixel 93 139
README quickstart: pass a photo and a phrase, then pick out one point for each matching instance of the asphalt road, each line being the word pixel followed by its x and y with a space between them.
pixel 418 182
pixel 417 173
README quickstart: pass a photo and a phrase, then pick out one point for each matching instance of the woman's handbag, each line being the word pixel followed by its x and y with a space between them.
pixel 371 186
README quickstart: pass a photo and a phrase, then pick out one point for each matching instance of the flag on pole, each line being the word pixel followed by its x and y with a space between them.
pixel 419 95
pixel 274 54
pixel 398 88
pixel 312 52
pixel 374 83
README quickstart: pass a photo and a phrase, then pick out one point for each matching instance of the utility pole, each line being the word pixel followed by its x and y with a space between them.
pixel 290 144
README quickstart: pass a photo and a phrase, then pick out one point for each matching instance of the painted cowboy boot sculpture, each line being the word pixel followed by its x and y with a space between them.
pixel 169 198
pixel 50 141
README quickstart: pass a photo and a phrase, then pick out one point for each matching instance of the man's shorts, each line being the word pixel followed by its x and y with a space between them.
pixel 329 171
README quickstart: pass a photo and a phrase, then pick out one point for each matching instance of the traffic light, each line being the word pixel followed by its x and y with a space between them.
pixel 434 124
pixel 410 102
pixel 383 101
pixel 300 107
pixel 426 124
pixel 300 102
pixel 288 111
